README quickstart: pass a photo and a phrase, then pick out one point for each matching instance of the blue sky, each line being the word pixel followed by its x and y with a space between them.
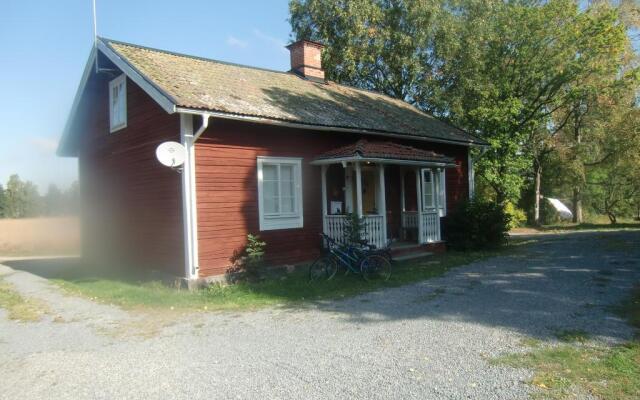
pixel 44 45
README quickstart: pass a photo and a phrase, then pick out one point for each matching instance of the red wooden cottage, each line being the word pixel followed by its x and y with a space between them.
pixel 280 154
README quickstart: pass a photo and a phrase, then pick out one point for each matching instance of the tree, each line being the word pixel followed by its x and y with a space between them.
pixel 497 69
pixel 2 202
pixel 72 198
pixel 21 198
pixel 54 201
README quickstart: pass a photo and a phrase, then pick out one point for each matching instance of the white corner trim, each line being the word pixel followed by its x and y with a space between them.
pixel 167 104
pixel 189 205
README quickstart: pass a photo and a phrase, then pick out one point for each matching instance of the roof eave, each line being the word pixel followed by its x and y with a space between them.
pixel 166 101
pixel 301 125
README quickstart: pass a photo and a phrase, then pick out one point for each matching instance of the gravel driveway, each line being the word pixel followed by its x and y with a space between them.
pixel 431 340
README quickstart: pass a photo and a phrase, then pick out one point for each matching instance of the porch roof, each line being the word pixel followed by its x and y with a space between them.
pixel 383 152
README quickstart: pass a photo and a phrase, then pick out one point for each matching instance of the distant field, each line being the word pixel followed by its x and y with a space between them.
pixel 39 236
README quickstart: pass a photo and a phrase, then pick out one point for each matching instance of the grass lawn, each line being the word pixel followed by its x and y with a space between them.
pixel 565 371
pixel 290 289
pixel 18 307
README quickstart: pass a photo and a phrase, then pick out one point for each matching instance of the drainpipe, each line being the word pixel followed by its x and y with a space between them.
pixel 189 204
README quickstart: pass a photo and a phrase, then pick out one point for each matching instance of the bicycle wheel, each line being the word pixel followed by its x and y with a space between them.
pixel 324 268
pixel 375 267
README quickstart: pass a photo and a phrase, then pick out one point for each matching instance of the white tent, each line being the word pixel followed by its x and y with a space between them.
pixel 562 210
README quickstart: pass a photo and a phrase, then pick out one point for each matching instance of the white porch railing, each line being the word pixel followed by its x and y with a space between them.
pixel 430 222
pixel 409 219
pixel 374 228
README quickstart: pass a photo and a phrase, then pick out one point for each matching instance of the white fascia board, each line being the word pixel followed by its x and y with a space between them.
pixel 163 99
pixel 88 68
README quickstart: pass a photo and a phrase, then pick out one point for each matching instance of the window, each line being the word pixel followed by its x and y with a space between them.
pixel 427 189
pixel 429 178
pixel 118 103
pixel 279 193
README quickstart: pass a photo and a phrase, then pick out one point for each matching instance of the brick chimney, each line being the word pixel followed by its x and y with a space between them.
pixel 306 59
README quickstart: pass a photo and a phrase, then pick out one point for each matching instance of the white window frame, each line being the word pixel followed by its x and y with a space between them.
pixel 117 125
pixel 432 206
pixel 442 196
pixel 281 220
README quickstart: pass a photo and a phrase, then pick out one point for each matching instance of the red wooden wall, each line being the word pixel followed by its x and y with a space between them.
pixel 227 193
pixel 132 207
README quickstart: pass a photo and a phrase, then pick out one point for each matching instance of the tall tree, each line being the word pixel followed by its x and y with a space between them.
pixel 53 201
pixel 21 198
pixel 2 202
pixel 498 69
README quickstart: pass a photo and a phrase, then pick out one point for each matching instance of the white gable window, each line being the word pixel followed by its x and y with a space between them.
pixel 279 193
pixel 118 103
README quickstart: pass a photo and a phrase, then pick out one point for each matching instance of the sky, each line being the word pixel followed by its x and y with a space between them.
pixel 44 46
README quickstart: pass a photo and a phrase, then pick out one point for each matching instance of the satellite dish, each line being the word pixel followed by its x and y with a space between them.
pixel 170 154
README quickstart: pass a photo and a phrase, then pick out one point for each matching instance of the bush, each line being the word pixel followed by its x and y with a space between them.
pixel 353 230
pixel 248 263
pixel 517 217
pixel 476 225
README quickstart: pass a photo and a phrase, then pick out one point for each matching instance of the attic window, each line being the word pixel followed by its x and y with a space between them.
pixel 118 103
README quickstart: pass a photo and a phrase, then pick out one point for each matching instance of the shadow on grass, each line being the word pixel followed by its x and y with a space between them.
pixel 589 226
pixel 546 285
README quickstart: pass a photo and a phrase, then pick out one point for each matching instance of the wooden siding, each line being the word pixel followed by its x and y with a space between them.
pixel 227 195
pixel 132 205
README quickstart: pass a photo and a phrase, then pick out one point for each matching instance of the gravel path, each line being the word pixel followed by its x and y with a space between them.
pixel 431 340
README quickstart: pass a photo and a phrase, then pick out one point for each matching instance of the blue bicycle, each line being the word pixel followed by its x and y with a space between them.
pixel 372 264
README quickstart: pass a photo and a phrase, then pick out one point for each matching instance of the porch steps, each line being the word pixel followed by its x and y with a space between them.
pixel 408 251
pixel 412 256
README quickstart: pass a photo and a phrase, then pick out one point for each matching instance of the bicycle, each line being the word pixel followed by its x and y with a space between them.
pixel 370 263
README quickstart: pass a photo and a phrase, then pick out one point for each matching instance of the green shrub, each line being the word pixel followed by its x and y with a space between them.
pixel 353 230
pixel 248 263
pixel 517 217
pixel 476 225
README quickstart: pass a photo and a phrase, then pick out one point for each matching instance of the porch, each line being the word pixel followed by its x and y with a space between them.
pixel 398 190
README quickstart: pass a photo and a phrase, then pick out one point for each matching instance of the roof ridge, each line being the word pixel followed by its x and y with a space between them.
pixel 177 54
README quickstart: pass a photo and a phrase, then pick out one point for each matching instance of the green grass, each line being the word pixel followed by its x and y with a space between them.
pixel 566 371
pixel 290 289
pixel 572 335
pixel 18 307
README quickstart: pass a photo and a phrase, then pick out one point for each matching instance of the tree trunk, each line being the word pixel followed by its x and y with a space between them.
pixel 577 190
pixel 536 207
pixel 577 205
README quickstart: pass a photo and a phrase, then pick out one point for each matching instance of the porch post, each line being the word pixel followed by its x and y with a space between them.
pixel 436 199
pixel 402 199
pixel 382 201
pixel 323 170
pixel 358 189
pixel 403 232
pixel 436 179
pixel 419 205
pixel 348 189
